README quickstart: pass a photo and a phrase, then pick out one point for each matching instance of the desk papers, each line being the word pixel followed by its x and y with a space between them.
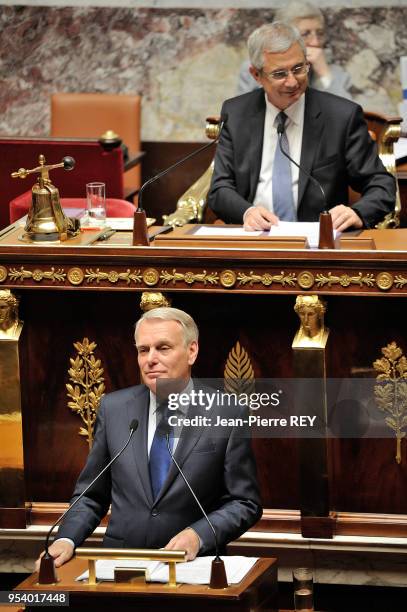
pixel 192 572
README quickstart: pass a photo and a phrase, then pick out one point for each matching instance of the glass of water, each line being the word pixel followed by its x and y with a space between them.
pixel 303 589
pixel 96 204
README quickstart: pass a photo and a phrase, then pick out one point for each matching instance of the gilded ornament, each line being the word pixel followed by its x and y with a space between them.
pixel 151 277
pixel 227 278
pixel 150 300
pixel 9 321
pixel 391 391
pixel 400 281
pixel 305 279
pixel 384 280
pixel 238 373
pixel 345 280
pixel 75 276
pixel 112 276
pixel 312 332
pixel 38 275
pixel 88 387
pixel 3 274
pixel 267 279
pixel 211 278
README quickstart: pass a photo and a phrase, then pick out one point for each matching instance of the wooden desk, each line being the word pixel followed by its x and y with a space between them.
pixel 257 591
pixel 236 295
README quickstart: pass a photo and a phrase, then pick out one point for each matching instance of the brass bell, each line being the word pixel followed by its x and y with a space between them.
pixel 46 221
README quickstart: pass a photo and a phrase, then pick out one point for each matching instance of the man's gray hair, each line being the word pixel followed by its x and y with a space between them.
pixel 298 10
pixel 276 37
pixel 189 327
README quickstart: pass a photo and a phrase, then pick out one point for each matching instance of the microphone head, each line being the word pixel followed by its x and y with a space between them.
pixel 134 425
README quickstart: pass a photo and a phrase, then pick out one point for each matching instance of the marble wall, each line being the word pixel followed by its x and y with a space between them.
pixel 183 61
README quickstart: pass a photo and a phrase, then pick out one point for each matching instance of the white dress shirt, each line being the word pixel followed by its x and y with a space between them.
pixel 294 128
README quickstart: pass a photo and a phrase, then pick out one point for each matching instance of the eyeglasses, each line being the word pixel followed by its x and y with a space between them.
pixel 308 34
pixel 280 75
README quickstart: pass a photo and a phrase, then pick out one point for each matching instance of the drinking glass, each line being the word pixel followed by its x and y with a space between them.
pixel 96 204
pixel 303 589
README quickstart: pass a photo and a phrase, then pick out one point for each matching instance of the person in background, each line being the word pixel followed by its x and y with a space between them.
pixel 323 75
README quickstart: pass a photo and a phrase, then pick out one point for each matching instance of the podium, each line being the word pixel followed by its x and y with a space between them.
pixel 257 591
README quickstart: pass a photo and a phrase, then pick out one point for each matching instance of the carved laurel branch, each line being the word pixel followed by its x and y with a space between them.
pixel 345 280
pixel 391 392
pixel 113 276
pixel 88 387
pixel 267 279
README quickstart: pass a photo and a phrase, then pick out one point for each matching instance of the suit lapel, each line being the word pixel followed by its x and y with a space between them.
pixel 256 127
pixel 138 408
pixel 311 135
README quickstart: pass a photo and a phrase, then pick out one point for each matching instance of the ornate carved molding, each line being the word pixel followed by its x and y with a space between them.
pixel 226 279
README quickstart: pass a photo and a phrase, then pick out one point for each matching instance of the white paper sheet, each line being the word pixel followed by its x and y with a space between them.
pixel 284 228
pixel 223 230
pixel 192 572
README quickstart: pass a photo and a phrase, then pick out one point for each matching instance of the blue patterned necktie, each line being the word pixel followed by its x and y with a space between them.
pixel 160 459
pixel 283 202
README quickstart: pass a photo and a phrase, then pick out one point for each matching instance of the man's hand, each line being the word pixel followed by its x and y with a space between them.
pixel 60 550
pixel 344 217
pixel 317 59
pixel 258 218
pixel 187 540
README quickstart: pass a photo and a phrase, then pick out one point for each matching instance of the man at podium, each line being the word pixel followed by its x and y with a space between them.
pixel 254 181
pixel 151 506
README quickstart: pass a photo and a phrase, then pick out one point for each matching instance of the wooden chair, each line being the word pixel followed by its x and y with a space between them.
pixel 90 115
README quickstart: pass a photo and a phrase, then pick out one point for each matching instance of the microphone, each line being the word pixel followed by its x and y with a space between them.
pixel 154 178
pixel 218 578
pixel 280 132
pixel 47 573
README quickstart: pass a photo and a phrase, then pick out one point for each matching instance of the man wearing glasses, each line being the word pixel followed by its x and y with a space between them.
pixel 255 184
pixel 310 23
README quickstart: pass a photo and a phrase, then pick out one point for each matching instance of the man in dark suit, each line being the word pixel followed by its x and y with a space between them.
pixel 150 504
pixel 254 184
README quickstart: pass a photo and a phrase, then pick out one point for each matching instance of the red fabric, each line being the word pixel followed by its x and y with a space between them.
pixel 114 207
pixel 92 164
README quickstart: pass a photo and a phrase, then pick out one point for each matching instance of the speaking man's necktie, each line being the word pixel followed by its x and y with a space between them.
pixel 160 460
pixel 283 202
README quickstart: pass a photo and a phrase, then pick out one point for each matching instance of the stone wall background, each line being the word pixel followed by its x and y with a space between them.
pixel 184 62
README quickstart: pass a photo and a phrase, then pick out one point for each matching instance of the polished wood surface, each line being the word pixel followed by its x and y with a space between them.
pixel 245 295
pixel 257 591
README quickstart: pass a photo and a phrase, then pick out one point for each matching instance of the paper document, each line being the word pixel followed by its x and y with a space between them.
pixel 301 228
pixel 224 230
pixel 192 572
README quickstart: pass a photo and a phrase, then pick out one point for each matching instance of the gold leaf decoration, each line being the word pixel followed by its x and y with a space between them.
pixel 238 373
pixel 391 392
pixel 87 388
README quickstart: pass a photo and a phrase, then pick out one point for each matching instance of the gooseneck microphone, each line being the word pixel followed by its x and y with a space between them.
pixel 154 178
pixel 47 568
pixel 218 578
pixel 280 132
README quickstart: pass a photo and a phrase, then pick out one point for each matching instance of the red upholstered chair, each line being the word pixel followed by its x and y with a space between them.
pixel 93 163
pixel 114 207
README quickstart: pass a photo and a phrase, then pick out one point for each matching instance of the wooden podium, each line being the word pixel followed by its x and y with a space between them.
pixel 257 591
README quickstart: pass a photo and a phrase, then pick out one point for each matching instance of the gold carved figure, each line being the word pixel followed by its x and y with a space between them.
pixel 153 299
pixel 8 314
pixel 312 333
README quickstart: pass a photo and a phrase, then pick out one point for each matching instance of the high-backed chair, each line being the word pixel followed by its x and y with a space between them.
pixel 84 115
pixel 93 163
pixel 191 206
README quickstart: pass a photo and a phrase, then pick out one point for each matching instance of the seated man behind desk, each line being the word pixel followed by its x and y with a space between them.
pixel 254 184
pixel 221 471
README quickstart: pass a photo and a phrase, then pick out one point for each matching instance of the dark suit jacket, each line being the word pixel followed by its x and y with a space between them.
pixel 336 150
pixel 221 471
